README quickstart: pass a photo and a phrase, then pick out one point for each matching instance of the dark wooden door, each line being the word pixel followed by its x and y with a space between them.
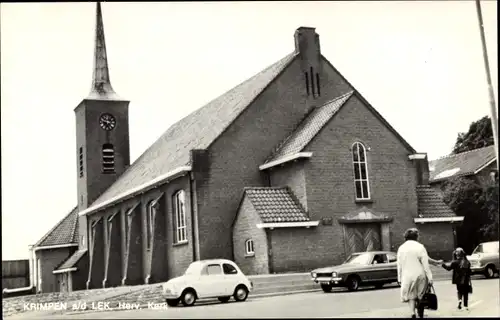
pixel 362 237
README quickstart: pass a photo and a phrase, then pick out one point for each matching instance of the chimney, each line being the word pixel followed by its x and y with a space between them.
pixel 307 43
pixel 307 46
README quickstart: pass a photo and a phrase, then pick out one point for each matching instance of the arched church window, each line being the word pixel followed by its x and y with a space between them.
pixel 361 181
pixel 108 158
pixel 150 218
pixel 180 217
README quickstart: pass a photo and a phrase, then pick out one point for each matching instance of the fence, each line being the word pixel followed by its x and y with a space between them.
pixel 15 274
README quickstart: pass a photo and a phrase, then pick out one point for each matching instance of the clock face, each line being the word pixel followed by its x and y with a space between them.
pixel 107 122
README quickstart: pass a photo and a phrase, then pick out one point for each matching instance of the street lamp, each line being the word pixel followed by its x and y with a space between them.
pixel 493 109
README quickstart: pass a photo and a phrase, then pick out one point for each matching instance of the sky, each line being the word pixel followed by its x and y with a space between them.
pixel 419 64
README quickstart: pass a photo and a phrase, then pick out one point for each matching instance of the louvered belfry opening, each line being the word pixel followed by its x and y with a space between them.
pixel 108 158
pixel 80 158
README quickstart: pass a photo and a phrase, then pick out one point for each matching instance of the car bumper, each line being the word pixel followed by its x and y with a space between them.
pixel 167 294
pixel 335 282
pixel 477 269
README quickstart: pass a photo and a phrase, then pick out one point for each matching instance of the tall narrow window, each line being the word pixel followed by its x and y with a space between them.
pixel 361 182
pixel 80 158
pixel 306 74
pixel 150 218
pixel 318 90
pixel 180 217
pixel 108 158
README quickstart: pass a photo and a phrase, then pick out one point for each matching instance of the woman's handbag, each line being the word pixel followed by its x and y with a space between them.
pixel 429 300
pixel 470 287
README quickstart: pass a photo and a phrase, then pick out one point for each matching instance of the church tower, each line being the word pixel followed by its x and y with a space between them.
pixel 102 133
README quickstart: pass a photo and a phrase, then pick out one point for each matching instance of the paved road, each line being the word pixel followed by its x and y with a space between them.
pixel 363 303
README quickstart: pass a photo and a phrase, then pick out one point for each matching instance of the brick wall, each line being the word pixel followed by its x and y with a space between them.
pixel 295 249
pixel 330 178
pixel 140 261
pixel 293 176
pixel 50 259
pixel 244 229
pixel 438 239
pixel 246 144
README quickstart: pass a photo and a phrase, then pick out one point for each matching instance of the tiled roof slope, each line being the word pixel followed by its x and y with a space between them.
pixel 276 204
pixel 64 232
pixel 431 205
pixel 72 260
pixel 196 131
pixel 460 164
pixel 309 128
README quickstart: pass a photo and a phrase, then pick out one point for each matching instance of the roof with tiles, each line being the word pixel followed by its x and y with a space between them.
pixel 461 164
pixel 276 204
pixel 72 260
pixel 64 232
pixel 309 128
pixel 431 205
pixel 196 131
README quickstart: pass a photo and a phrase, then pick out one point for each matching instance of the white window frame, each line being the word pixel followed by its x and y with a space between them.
pixel 249 247
pixel 357 167
pixel 179 204
pixel 150 216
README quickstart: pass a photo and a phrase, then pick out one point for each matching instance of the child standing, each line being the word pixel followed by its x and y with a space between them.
pixel 461 276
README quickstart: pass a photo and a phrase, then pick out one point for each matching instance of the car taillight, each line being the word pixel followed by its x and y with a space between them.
pixel 251 284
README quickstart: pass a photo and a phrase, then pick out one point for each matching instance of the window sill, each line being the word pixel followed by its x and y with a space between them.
pixel 178 244
pixel 363 201
pixel 249 255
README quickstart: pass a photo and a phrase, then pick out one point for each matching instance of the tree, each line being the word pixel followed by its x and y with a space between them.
pixel 480 135
pixel 477 202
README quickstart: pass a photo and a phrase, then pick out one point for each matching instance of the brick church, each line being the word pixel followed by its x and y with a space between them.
pixel 288 171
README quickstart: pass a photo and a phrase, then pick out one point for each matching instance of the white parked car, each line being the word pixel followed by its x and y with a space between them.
pixel 215 278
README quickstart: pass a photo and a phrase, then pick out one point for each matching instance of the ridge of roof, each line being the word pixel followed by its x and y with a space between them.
pixel 451 155
pixel 74 211
pixel 198 130
pixel 309 127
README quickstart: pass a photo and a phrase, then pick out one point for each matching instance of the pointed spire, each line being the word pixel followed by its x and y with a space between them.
pixel 101 83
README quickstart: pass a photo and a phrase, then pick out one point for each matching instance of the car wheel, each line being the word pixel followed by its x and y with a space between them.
pixel 224 299
pixel 353 283
pixel 172 302
pixel 240 293
pixel 188 297
pixel 489 272
pixel 326 287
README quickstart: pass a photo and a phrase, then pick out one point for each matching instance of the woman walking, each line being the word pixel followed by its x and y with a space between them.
pixel 461 276
pixel 414 273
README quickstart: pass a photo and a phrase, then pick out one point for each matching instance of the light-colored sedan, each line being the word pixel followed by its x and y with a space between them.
pixel 216 278
pixel 485 259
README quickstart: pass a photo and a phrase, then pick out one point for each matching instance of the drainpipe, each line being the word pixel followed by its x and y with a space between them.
pixel 31 275
pixel 194 217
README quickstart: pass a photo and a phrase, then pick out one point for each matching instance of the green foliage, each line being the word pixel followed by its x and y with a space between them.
pixel 478 204
pixel 480 135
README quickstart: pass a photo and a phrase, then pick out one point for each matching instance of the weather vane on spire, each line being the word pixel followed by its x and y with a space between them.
pixel 101 83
